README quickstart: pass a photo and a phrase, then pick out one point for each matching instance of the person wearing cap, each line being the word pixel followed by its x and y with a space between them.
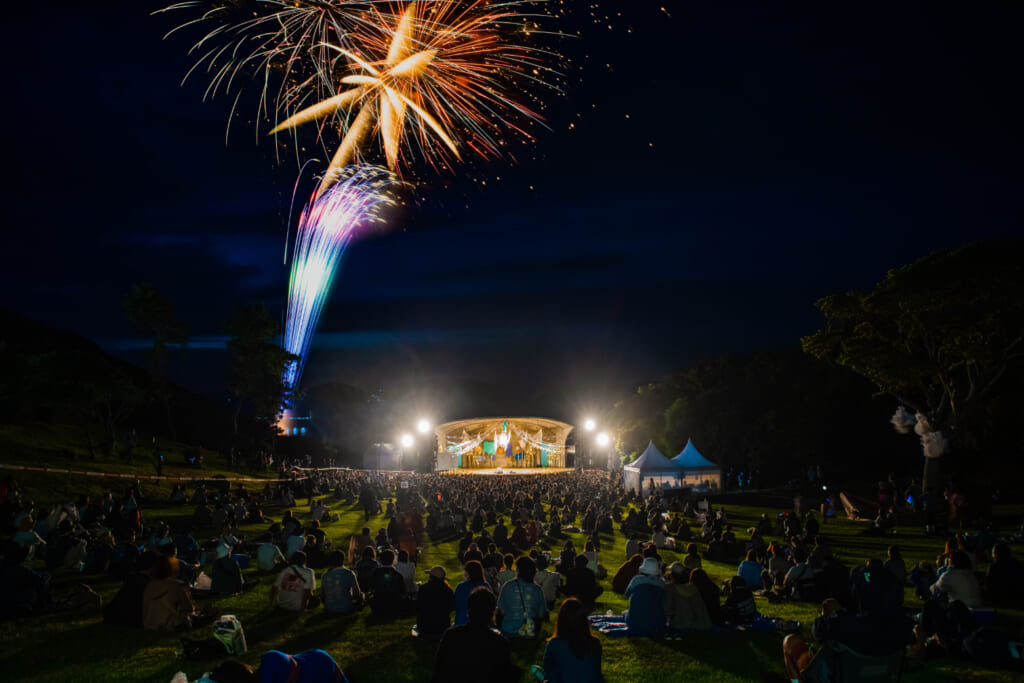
pixel 226 575
pixel 684 606
pixel 339 586
pixel 646 593
pixel 434 604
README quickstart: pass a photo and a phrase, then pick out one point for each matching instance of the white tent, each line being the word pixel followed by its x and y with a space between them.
pixel 698 471
pixel 651 466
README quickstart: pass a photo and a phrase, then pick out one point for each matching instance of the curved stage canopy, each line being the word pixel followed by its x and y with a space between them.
pixel 506 442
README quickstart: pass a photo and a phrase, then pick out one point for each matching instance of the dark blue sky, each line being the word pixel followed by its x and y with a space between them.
pixel 727 164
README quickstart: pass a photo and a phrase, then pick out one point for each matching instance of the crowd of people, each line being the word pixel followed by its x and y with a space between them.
pixel 509 584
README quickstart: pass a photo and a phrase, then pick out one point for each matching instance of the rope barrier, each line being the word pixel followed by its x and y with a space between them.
pixel 150 477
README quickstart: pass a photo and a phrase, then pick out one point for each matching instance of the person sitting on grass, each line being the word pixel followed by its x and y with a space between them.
pixel 268 557
pixel 548 581
pixel 750 570
pixel 166 601
pixel 959 582
pixel 506 573
pixel 594 561
pixel 692 560
pixel 710 594
pixel 22 591
pixel 387 586
pixel 366 567
pixel 356 544
pixel 521 604
pixel 472 578
pixel 626 572
pixel 684 607
pixel 339 586
pixel 646 593
pixel 226 575
pixel 739 606
pixel 407 568
pixel 799 582
pixel 581 583
pixel 434 604
pixel 295 542
pixel 1004 581
pixel 572 654
pixel 294 586
pixel 472 652
pixel 567 560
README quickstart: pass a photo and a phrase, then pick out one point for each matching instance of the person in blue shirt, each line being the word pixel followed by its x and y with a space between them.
pixel 473 577
pixel 750 570
pixel 340 587
pixel 521 604
pixel 573 654
pixel 646 593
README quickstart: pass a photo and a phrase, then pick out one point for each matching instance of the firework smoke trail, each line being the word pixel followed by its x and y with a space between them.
pixel 325 229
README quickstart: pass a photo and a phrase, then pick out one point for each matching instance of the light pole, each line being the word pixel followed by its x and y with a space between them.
pixel 406 441
pixel 423 427
pixel 589 426
pixel 602 441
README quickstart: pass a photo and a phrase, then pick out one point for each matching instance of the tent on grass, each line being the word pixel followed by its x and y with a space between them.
pixel 651 466
pixel 698 471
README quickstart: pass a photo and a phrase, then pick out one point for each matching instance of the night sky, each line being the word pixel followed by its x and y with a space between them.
pixel 712 169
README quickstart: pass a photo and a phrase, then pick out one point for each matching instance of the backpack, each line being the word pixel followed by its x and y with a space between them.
pixel 228 630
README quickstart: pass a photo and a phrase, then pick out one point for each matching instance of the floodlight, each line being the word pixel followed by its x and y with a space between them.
pixel 423 426
pixel 406 440
pixel 602 439
pixel 589 425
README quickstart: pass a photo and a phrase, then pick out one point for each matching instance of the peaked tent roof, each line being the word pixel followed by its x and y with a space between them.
pixel 691 459
pixel 652 460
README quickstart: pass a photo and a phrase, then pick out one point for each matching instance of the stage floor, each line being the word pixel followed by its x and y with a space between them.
pixel 511 471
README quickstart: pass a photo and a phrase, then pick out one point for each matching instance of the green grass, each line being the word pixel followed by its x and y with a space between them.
pixel 63 646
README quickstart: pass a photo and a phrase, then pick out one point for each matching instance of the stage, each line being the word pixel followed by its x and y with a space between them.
pixel 510 471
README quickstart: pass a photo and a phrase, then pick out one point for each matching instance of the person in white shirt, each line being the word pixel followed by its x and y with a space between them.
pixel 295 542
pixel 960 582
pixel 268 556
pixel 548 581
pixel 294 585
pixel 408 571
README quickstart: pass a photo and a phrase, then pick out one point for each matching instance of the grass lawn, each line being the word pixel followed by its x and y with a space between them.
pixel 67 646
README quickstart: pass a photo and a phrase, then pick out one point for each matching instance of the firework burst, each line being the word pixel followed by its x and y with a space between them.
pixel 431 79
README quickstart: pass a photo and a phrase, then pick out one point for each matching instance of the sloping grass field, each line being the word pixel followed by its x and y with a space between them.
pixel 62 646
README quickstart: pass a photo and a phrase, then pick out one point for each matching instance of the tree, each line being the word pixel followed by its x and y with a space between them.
pixel 937 335
pixel 257 365
pixel 153 315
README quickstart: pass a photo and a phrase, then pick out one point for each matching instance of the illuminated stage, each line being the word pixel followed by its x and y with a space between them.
pixel 502 445
pixel 502 471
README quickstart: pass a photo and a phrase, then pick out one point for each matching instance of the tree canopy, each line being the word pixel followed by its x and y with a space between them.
pixel 937 335
pixel 257 364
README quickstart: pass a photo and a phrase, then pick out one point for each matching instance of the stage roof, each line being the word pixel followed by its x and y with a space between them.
pixel 555 432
